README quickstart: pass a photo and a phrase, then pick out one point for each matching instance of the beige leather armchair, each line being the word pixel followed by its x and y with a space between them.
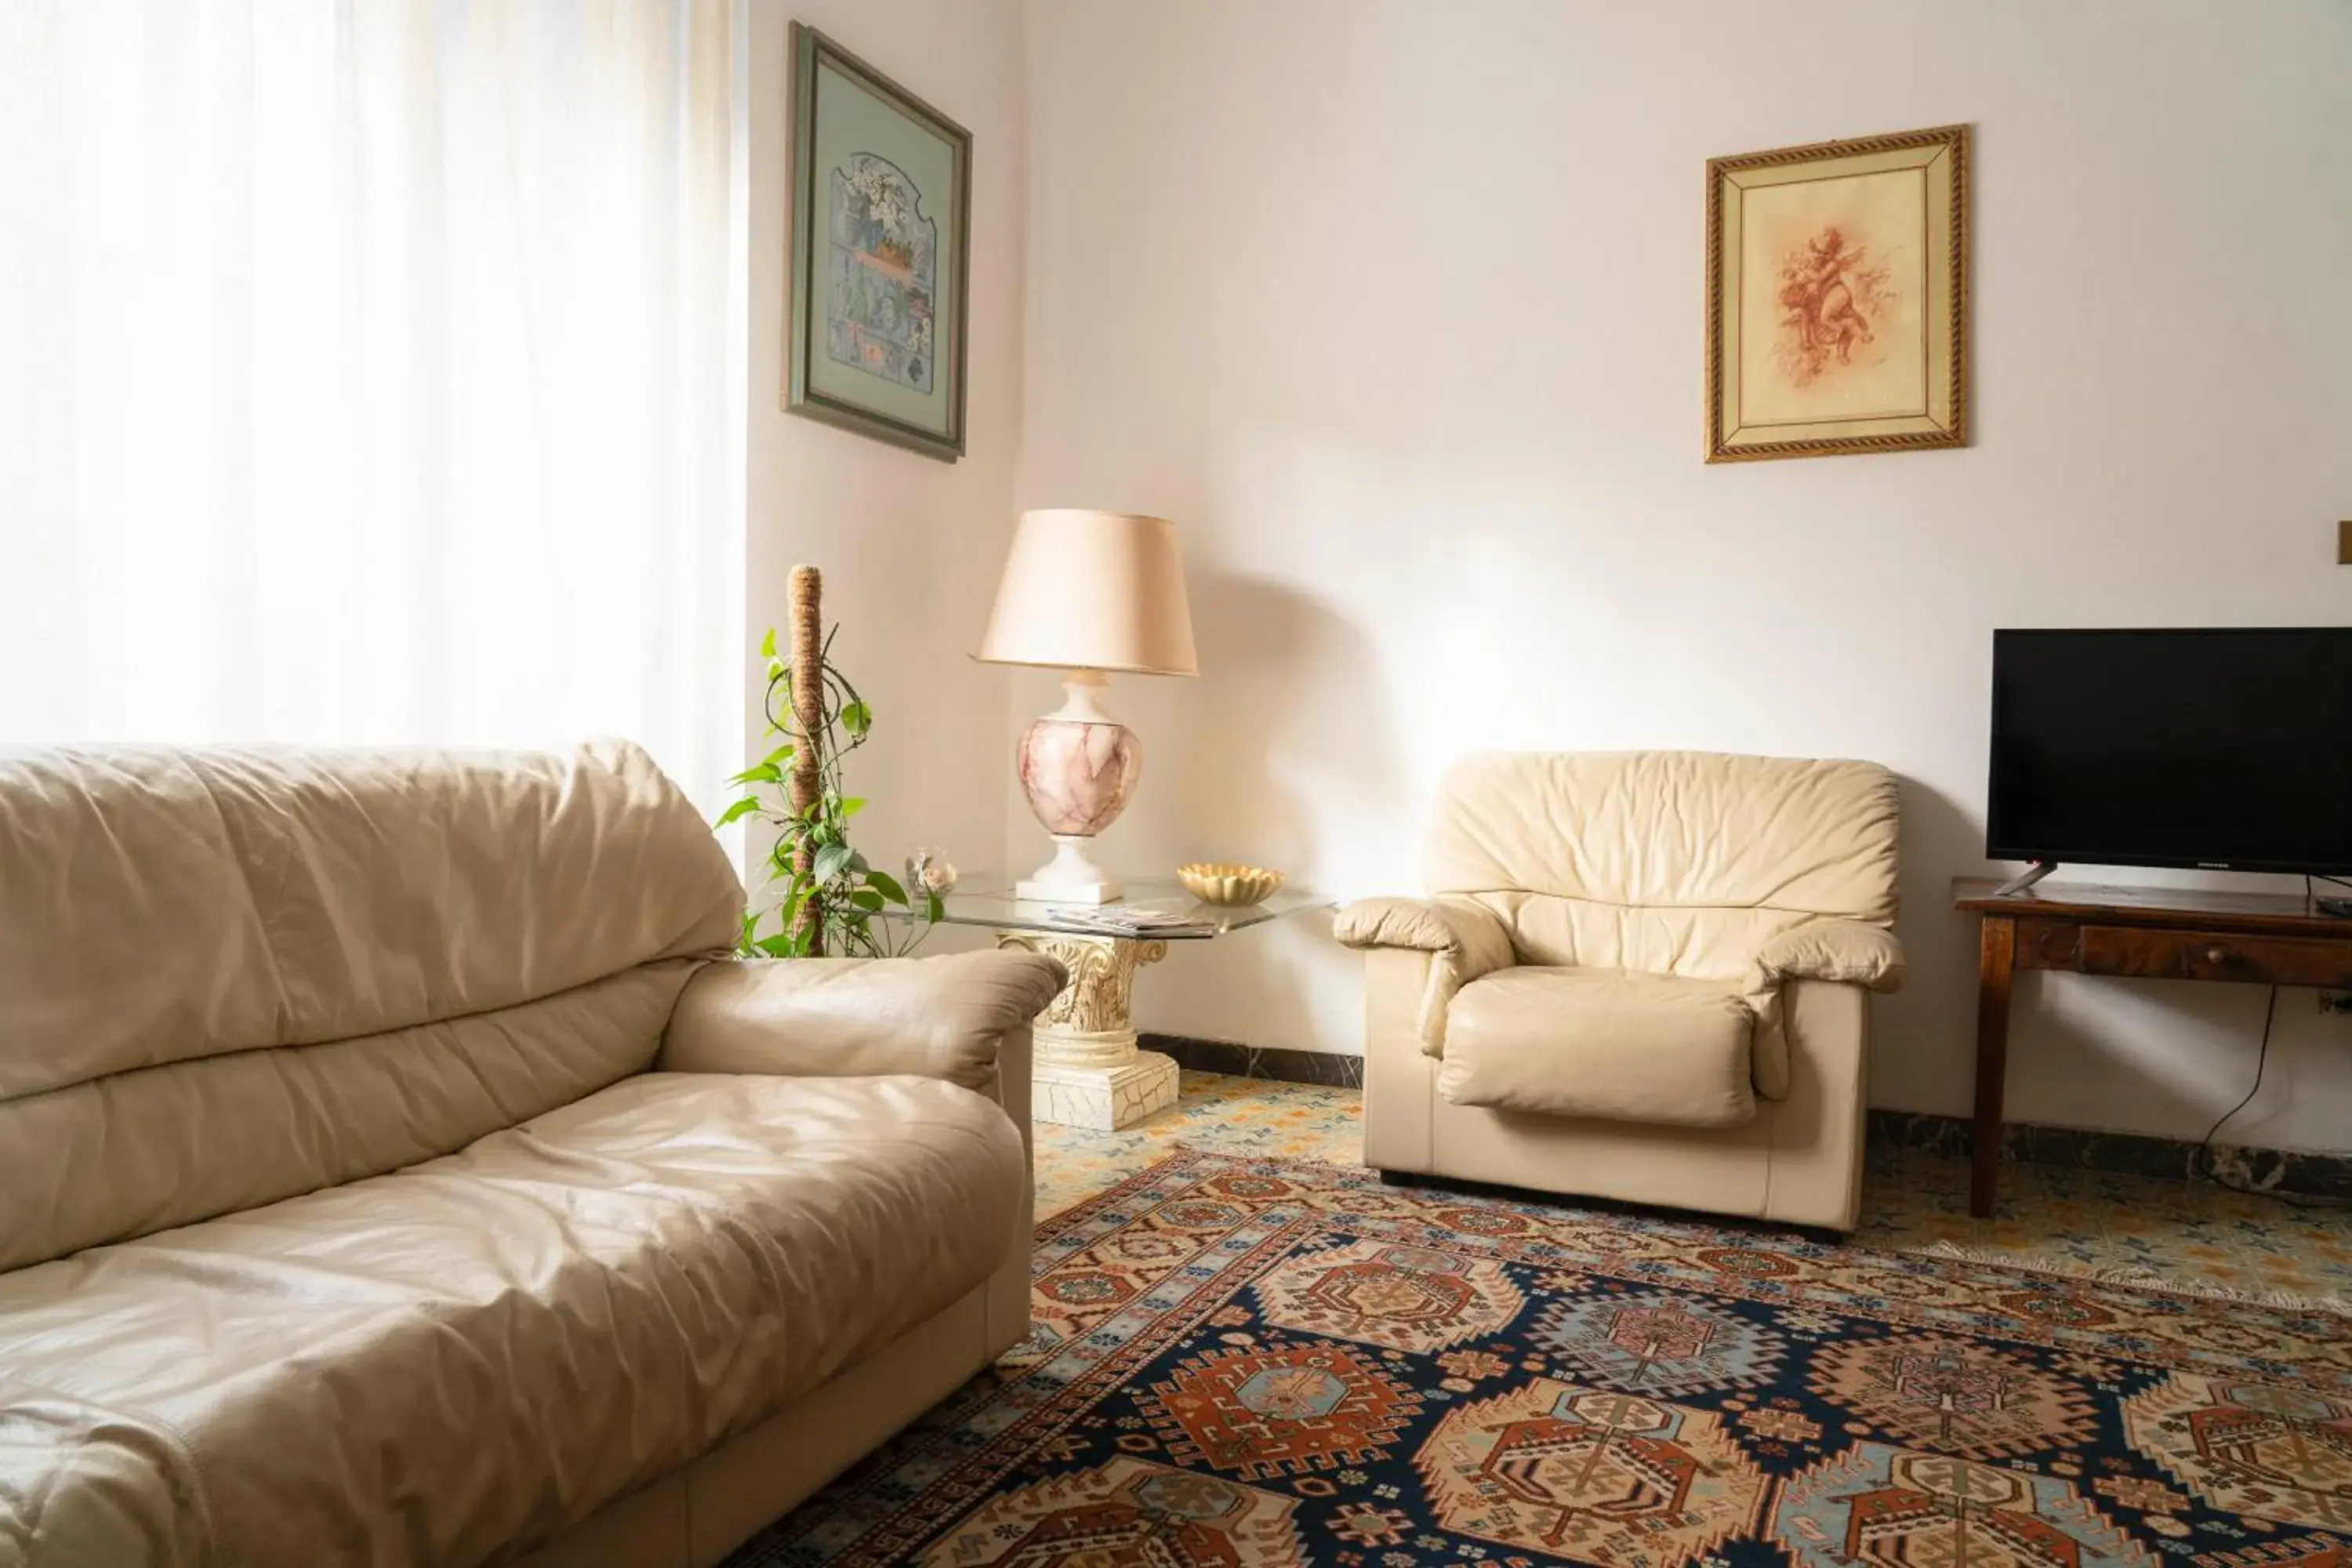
pixel 1640 975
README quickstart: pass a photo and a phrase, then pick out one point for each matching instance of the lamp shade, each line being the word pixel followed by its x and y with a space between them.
pixel 1092 590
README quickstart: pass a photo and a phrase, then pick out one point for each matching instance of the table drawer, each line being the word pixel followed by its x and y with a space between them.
pixel 2207 955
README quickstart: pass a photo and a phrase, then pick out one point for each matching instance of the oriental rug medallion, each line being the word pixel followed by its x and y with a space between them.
pixel 1256 1364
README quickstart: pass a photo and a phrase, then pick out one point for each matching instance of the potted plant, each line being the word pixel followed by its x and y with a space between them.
pixel 832 901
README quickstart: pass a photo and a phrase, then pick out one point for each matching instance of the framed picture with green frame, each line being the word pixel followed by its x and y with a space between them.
pixel 880 241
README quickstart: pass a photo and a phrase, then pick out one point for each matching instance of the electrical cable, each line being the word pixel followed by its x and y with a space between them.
pixel 2312 902
pixel 2202 1161
pixel 2261 1061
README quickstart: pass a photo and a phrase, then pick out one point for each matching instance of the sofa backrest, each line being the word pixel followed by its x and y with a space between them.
pixel 229 977
pixel 1676 862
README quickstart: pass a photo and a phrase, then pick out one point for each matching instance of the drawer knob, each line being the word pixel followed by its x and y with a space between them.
pixel 2217 956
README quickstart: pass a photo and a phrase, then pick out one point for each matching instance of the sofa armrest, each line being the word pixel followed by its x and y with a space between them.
pixel 1849 951
pixel 1464 941
pixel 852 1017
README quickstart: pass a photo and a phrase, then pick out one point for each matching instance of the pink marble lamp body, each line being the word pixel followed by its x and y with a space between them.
pixel 1079 774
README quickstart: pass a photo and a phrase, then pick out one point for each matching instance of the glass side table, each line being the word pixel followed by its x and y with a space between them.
pixel 1088 1072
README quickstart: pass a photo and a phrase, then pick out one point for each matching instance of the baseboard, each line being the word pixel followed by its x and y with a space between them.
pixel 1278 1062
pixel 2120 1154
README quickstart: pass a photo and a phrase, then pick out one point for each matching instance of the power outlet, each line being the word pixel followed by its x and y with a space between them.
pixel 2335 1002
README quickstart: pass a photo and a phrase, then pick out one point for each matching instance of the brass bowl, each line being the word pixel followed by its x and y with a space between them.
pixel 1214 882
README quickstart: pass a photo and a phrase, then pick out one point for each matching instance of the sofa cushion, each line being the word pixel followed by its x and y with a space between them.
pixel 427 1366
pixel 357 960
pixel 1615 1044
pixel 135 1153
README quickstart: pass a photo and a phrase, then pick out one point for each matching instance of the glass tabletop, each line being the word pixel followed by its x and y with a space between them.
pixel 995 905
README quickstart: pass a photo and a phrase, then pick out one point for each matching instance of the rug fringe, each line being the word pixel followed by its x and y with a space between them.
pixel 2136 1279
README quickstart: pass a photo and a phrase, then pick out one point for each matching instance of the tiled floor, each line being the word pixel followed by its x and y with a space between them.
pixel 2174 1233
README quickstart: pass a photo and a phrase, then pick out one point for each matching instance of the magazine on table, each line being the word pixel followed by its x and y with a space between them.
pixel 1128 919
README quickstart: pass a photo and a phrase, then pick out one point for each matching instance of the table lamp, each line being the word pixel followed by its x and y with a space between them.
pixel 1089 594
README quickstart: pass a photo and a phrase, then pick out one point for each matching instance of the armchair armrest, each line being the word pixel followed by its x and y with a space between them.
pixel 851 1017
pixel 1849 953
pixel 1464 941
pixel 1845 950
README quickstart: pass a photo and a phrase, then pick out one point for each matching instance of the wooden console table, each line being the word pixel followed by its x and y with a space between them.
pixel 2169 934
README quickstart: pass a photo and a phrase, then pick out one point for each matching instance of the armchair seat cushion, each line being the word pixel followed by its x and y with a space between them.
pixel 1620 1044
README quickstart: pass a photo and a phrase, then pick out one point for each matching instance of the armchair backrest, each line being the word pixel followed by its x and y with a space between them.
pixel 1674 862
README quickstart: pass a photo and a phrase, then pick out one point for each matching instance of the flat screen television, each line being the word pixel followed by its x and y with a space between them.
pixel 2227 749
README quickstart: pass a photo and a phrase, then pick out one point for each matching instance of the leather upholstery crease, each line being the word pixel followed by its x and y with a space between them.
pixel 1614 938
pixel 343 1219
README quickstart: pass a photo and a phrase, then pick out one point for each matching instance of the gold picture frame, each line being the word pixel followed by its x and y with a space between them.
pixel 1837 298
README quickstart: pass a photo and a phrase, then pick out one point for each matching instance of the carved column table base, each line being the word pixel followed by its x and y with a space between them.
pixel 1088 1072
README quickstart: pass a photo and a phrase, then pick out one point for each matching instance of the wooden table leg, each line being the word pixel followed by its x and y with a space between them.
pixel 1996 964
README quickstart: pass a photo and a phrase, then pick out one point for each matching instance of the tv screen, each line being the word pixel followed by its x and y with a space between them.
pixel 2228 749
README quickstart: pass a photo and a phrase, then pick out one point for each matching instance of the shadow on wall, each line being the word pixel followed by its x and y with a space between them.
pixel 1293 762
pixel 1293 741
pixel 1907 1069
pixel 2151 1055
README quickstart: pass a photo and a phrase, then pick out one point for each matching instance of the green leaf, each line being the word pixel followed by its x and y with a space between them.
pixel 856 718
pixel 866 899
pixel 831 861
pixel 934 910
pixel 851 804
pixel 737 812
pixel 768 644
pixel 777 946
pixel 774 762
pixel 886 885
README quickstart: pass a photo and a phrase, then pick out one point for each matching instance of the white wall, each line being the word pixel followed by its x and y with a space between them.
pixel 1397 308
pixel 909 545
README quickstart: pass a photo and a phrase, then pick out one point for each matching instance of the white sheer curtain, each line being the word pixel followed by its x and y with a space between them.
pixel 371 372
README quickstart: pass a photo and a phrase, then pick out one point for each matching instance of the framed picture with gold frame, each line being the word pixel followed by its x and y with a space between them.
pixel 1837 298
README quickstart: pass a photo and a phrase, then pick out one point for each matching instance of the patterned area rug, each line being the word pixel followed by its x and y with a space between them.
pixel 1260 1364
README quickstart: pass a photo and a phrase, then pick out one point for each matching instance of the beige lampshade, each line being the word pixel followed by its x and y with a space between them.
pixel 1092 590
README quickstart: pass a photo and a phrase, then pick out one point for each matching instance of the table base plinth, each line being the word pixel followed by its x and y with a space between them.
pixel 1102 1099
pixel 1088 1072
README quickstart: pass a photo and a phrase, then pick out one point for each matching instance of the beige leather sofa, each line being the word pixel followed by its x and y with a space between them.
pixel 392 1172
pixel 1641 976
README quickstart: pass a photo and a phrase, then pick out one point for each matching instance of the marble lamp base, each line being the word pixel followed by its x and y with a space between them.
pixel 1079 769
pixel 1071 877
